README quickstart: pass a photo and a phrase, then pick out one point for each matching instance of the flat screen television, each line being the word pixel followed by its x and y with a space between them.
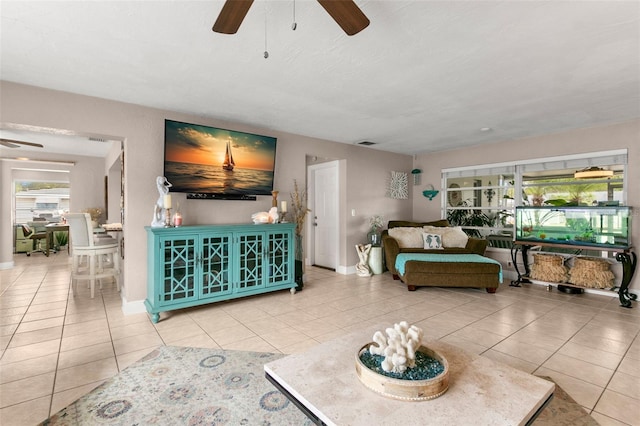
pixel 211 163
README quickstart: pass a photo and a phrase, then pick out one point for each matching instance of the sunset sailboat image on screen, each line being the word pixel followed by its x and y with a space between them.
pixel 228 163
pixel 212 163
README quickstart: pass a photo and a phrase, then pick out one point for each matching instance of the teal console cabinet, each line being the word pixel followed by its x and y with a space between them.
pixel 193 265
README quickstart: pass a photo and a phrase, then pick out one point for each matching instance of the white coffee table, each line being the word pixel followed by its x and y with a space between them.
pixel 323 383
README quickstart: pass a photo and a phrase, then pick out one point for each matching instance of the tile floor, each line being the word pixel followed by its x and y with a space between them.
pixel 56 347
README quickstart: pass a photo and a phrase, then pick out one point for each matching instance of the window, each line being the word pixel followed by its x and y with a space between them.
pixel 36 200
pixel 482 199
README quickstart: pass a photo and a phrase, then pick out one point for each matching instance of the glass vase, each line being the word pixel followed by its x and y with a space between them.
pixel 373 238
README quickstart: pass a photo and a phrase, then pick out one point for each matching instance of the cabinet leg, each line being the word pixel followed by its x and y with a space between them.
pixel 155 317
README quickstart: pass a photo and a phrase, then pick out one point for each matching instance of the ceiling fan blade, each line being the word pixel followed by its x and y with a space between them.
pixel 16 144
pixel 231 16
pixel 346 14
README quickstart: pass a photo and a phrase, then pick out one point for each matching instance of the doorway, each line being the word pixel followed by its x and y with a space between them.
pixel 324 195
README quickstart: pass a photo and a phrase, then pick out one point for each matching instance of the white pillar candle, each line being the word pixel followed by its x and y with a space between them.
pixel 167 201
pixel 283 207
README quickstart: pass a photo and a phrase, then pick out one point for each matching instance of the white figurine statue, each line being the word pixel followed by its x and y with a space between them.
pixel 159 212
pixel 362 268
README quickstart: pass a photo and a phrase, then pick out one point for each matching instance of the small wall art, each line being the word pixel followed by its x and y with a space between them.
pixel 399 186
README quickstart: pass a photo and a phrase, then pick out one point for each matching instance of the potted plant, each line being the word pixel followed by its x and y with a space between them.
pixel 469 217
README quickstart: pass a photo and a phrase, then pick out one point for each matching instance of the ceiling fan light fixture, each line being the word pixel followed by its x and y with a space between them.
pixel 592 173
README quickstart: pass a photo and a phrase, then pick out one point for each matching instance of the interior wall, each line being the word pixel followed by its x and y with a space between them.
pixel 142 130
pixel 619 136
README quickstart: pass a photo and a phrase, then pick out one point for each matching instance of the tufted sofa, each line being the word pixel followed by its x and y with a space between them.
pixel 397 239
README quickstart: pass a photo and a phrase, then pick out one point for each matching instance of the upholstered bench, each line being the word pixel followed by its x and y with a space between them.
pixel 448 270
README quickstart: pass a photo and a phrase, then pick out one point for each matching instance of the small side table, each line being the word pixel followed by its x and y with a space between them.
pixel 375 260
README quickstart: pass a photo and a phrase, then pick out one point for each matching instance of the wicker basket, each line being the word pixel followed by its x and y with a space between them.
pixel 592 273
pixel 549 267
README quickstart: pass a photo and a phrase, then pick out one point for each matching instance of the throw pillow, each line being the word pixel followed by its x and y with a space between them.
pixel 440 230
pixel 407 237
pixel 432 241
pixel 455 237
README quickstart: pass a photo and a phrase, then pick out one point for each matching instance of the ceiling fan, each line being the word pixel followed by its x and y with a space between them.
pixel 10 143
pixel 345 12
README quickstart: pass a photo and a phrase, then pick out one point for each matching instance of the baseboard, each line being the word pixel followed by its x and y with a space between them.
pixel 346 270
pixel 7 265
pixel 135 307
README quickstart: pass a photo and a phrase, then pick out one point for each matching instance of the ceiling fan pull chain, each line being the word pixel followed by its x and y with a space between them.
pixel 294 25
pixel 266 52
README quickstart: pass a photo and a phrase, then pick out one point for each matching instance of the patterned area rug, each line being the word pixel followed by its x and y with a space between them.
pixel 194 386
pixel 186 386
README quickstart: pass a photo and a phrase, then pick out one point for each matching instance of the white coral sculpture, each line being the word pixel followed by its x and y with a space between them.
pixel 398 347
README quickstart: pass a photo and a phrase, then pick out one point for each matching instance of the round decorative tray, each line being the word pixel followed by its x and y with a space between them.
pixel 407 390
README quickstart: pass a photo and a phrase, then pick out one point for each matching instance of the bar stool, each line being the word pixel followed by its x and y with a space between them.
pixel 102 254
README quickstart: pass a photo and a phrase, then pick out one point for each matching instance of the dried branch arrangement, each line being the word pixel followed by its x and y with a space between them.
pixel 299 208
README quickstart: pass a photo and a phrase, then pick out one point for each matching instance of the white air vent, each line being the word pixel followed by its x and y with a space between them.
pixel 97 139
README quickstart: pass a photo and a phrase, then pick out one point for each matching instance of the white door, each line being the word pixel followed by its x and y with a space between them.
pixel 323 179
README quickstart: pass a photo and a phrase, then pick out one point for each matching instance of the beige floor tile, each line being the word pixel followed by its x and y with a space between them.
pixel 31 367
pixel 630 366
pixel 619 407
pixel 40 324
pixel 579 369
pixel 584 393
pixel 26 389
pixel 83 374
pixel 85 355
pixel 481 337
pixel 136 343
pixel 8 330
pixel 86 339
pixel 626 385
pixel 36 336
pixel 266 325
pixel 525 351
pixel 200 340
pixel 185 331
pixel 131 330
pixel 90 326
pixel 252 344
pixel 512 361
pixel 594 356
pixel 27 413
pixel 80 317
pixel 34 350
pixel 228 335
pixel 606 420
pixel 300 347
pixel 316 328
pixel 285 337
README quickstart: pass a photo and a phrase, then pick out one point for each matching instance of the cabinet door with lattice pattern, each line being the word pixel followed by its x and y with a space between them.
pixel 280 254
pixel 216 265
pixel 251 260
pixel 179 269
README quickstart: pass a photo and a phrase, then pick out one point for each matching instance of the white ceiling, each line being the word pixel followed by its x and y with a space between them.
pixel 424 76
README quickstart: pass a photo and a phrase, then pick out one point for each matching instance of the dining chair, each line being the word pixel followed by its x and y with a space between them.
pixel 102 254
pixel 37 237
